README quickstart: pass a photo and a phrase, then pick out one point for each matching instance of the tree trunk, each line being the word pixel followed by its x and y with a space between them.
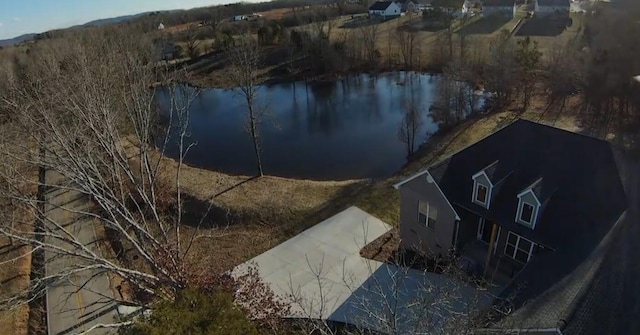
pixel 255 139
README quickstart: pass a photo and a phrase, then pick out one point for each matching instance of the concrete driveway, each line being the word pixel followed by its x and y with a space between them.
pixel 320 272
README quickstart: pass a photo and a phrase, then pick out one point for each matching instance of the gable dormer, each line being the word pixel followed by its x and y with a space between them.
pixel 482 186
pixel 529 205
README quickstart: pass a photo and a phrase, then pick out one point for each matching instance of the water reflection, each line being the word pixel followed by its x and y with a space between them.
pixel 332 130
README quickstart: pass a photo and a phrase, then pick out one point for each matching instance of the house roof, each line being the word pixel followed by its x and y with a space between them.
pixel 586 295
pixel 498 3
pixel 554 3
pixel 575 174
pixel 577 179
pixel 380 5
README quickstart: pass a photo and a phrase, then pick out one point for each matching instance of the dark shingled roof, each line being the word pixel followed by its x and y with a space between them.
pixel 498 3
pixel 577 179
pixel 380 5
pixel 577 174
pixel 554 3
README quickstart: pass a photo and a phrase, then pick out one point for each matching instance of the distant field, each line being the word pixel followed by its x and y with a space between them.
pixel 276 14
pixel 551 33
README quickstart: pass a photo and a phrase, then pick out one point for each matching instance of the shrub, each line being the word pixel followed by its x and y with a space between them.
pixel 194 312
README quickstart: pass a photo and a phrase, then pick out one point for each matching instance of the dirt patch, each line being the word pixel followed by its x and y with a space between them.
pixel 14 277
pixel 384 248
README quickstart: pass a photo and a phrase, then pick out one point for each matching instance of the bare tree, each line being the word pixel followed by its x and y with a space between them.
pixel 88 123
pixel 407 42
pixel 527 58
pixel 368 36
pixel 500 69
pixel 245 58
pixel 410 126
pixel 192 41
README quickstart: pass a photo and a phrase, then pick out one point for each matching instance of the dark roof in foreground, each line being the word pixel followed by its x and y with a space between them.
pixel 554 3
pixel 600 296
pixel 578 180
pixel 380 5
pixel 576 176
pixel 498 3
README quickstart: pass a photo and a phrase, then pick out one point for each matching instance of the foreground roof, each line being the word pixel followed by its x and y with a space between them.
pixel 577 178
pixel 574 176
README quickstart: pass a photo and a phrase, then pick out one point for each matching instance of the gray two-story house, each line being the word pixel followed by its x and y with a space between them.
pixel 525 191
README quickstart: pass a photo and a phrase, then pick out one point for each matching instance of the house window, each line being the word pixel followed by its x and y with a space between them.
pixel 518 248
pixel 481 194
pixel 527 213
pixel 427 214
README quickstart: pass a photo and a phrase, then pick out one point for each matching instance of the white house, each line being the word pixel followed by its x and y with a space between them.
pixel 385 9
pixel 546 7
pixel 239 17
pixel 504 8
pixel 161 26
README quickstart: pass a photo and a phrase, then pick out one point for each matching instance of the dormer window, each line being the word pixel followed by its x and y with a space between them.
pixel 481 194
pixel 528 208
pixel 526 213
pixel 482 188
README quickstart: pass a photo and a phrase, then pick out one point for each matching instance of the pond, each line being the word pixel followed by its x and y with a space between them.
pixel 336 130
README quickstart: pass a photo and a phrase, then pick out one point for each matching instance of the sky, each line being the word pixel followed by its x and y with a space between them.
pixel 19 17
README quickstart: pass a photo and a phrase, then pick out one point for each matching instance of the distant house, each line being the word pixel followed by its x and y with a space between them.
pixel 504 8
pixel 408 6
pixel 161 26
pixel 547 7
pixel 239 18
pixel 467 5
pixel 385 9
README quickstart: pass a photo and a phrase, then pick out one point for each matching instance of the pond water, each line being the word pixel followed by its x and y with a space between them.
pixel 330 131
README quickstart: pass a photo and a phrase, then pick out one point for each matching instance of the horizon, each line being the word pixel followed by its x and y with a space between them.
pixel 38 16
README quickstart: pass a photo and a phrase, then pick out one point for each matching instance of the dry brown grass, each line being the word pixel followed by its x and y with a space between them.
pixel 249 215
pixel 14 276
pixel 263 212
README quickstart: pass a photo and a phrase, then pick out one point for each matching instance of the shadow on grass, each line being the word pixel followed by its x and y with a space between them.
pixel 485 25
pixel 544 26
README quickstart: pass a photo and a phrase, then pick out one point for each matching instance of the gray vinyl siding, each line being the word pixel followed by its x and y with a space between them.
pixel 433 241
pixel 482 179
pixel 530 198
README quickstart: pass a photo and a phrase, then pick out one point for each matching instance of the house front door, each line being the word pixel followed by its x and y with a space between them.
pixel 484 231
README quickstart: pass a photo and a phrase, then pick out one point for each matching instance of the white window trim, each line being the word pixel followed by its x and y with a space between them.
pixel 489 187
pixel 515 250
pixel 495 243
pixel 476 187
pixel 534 214
pixel 426 214
pixel 481 226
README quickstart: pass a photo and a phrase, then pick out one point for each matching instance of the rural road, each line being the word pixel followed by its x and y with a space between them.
pixel 79 301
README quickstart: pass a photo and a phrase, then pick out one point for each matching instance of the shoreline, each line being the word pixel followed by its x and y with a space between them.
pixel 218 80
